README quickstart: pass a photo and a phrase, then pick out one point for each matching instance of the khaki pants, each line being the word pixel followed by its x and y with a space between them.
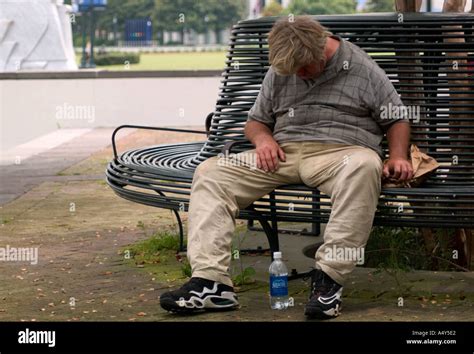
pixel 350 174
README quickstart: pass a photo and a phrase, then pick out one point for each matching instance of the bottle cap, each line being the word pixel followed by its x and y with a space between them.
pixel 276 255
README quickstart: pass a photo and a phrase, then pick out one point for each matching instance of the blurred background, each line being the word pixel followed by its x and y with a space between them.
pixel 135 34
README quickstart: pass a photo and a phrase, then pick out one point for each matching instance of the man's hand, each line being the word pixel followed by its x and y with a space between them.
pixel 268 154
pixel 398 169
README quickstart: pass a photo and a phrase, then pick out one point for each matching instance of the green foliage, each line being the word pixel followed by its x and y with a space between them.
pixel 165 14
pixel 123 10
pixel 386 248
pixel 217 14
pixel 273 9
pixel 404 249
pixel 116 58
pixel 322 7
pixel 4 221
pixel 380 6
pixel 208 60
pixel 156 249
pixel 186 268
pixel 182 15
pixel 245 277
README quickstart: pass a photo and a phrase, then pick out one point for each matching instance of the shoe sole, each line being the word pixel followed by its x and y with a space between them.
pixel 316 312
pixel 171 306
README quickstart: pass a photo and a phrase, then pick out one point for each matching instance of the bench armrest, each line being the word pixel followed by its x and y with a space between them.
pixel 150 128
pixel 208 122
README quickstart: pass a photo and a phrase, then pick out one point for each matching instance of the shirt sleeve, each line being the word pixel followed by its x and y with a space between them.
pixel 262 110
pixel 387 106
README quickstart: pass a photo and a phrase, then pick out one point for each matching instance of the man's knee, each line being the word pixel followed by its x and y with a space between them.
pixel 366 162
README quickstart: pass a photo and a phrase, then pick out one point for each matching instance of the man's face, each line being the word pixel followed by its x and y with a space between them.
pixel 310 71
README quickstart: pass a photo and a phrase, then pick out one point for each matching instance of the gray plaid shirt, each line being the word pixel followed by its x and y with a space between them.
pixel 343 105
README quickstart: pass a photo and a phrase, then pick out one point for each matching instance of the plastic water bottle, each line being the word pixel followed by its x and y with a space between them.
pixel 278 283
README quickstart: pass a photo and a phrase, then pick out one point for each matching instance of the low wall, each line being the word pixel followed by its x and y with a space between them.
pixel 32 105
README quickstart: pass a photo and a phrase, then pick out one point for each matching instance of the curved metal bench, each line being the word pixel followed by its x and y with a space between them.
pixel 418 54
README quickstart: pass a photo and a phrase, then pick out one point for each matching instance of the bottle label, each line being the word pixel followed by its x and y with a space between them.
pixel 278 285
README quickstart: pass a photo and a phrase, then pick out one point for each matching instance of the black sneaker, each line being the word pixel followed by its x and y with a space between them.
pixel 325 298
pixel 199 294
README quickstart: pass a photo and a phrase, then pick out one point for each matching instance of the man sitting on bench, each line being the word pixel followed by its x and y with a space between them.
pixel 316 120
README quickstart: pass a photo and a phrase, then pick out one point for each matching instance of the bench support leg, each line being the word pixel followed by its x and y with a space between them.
pixel 272 235
pixel 180 226
pixel 315 226
pixel 181 232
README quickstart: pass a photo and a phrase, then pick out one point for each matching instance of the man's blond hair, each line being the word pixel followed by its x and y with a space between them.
pixel 294 42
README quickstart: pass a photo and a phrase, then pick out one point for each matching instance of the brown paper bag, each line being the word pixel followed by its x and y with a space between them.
pixel 423 166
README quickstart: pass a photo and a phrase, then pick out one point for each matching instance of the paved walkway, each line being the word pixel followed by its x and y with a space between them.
pixel 22 169
pixel 64 207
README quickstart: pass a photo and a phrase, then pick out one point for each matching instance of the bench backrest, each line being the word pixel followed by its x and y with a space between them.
pixel 428 57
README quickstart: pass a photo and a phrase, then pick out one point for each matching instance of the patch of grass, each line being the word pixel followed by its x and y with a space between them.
pixel 403 249
pixel 4 221
pixel 174 61
pixel 186 268
pixel 157 249
pixel 245 277
pixel 116 58
pixel 158 256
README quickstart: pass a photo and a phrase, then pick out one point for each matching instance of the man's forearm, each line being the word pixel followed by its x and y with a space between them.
pixel 257 132
pixel 398 137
